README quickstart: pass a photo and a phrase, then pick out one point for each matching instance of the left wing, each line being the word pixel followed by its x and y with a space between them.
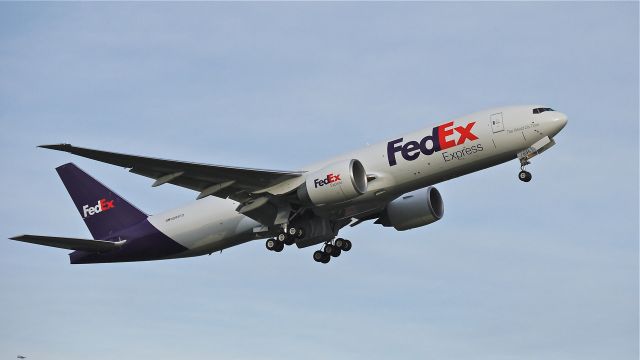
pixel 221 181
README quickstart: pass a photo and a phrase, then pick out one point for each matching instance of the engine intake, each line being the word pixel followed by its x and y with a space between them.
pixel 414 209
pixel 334 184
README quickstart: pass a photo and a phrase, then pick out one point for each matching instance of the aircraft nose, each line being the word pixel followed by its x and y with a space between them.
pixel 559 121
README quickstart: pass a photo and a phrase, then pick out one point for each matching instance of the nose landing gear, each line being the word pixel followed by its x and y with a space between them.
pixel 524 175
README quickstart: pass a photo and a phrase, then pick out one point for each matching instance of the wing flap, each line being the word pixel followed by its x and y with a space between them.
pixel 70 243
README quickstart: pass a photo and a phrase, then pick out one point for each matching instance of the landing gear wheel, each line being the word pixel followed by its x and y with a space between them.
pixel 328 249
pixel 336 251
pixel 279 247
pixel 524 176
pixel 318 256
pixel 321 257
pixel 300 234
pixel 271 244
pixel 289 240
pixel 347 245
pixel 343 244
pixel 282 237
pixel 292 231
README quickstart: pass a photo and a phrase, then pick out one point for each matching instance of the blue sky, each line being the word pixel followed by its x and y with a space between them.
pixel 547 269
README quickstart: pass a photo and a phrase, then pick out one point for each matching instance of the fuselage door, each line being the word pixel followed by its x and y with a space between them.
pixel 497 124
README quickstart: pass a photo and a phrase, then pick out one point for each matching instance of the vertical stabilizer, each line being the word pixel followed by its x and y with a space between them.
pixel 103 211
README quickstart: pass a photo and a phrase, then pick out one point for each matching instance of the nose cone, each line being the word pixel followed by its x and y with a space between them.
pixel 558 122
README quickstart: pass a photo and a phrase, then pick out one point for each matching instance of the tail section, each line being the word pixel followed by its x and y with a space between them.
pixel 103 211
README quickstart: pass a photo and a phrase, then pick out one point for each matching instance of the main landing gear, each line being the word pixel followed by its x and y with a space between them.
pixel 331 250
pixel 290 235
pixel 287 237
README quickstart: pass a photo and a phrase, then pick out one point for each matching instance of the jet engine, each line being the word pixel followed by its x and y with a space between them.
pixel 414 209
pixel 338 182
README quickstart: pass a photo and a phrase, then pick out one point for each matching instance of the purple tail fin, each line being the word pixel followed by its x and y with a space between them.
pixel 104 212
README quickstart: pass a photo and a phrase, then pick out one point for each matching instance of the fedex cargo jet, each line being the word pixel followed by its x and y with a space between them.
pixel 390 183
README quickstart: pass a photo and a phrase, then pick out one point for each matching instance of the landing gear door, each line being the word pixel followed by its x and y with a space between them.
pixel 497 124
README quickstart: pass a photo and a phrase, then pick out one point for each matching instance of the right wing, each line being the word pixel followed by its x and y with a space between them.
pixel 70 243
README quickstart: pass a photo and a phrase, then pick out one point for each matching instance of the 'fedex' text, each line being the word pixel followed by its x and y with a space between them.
pixel 102 205
pixel 442 137
pixel 328 180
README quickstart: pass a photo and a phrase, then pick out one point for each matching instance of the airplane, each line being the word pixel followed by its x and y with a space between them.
pixel 391 183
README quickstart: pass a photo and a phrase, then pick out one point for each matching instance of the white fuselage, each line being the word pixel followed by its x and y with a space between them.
pixel 397 166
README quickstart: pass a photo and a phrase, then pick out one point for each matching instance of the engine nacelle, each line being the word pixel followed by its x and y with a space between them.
pixel 414 209
pixel 334 184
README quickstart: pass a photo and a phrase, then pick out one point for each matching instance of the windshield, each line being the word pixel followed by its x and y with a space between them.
pixel 541 110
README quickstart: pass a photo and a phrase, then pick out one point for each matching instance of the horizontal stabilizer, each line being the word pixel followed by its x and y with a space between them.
pixel 70 243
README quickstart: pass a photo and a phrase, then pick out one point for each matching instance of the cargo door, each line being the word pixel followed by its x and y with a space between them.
pixel 497 123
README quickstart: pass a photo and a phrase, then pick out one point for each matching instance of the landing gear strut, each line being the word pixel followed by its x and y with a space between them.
pixel 331 250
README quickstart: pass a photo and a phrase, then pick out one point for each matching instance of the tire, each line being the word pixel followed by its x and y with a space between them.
pixel 282 237
pixel 347 245
pixel 339 243
pixel 524 176
pixel 328 249
pixel 279 247
pixel 271 244
pixel 336 251
pixel 300 234
pixel 292 231
pixel 318 256
pixel 325 258
pixel 290 240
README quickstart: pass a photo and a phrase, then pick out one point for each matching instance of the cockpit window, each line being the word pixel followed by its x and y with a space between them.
pixel 541 110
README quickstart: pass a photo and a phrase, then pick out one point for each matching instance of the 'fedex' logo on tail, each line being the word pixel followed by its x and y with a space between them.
pixel 328 180
pixel 441 138
pixel 102 205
